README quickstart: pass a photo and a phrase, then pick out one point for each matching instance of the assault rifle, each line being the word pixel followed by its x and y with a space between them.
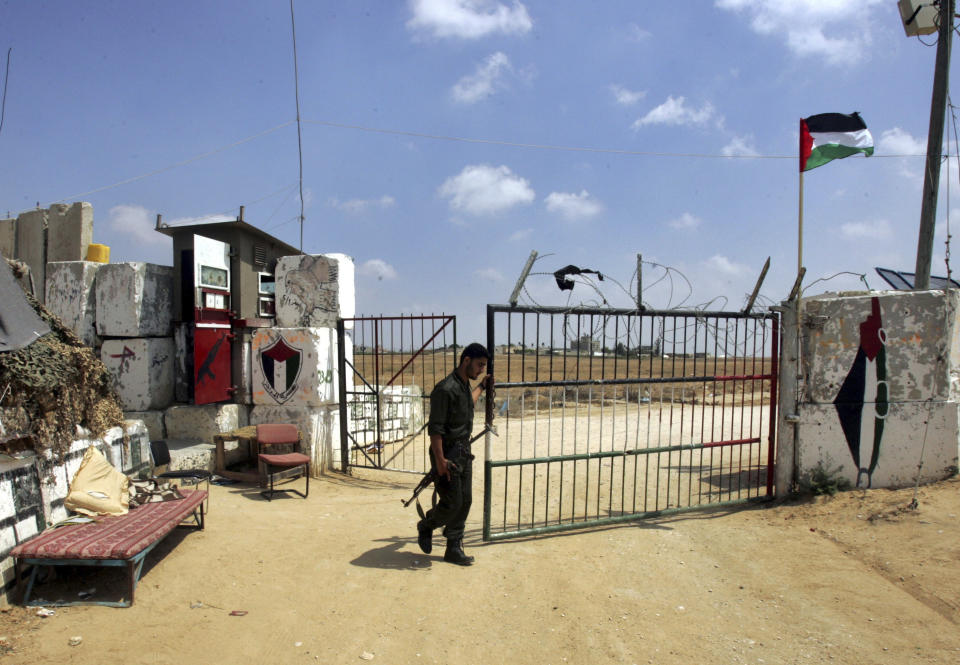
pixel 431 476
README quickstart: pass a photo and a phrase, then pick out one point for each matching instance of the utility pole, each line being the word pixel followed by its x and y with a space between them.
pixel 931 179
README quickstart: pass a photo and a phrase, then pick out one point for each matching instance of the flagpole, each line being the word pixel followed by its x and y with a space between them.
pixel 800 229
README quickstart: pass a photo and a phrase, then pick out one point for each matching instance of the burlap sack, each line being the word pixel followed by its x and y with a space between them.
pixel 97 487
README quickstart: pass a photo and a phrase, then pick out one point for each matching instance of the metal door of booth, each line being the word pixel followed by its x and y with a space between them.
pixel 387 367
pixel 610 415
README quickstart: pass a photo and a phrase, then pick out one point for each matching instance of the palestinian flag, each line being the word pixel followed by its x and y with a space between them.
pixel 829 136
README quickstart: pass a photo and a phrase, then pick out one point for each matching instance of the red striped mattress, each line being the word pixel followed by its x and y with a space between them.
pixel 112 536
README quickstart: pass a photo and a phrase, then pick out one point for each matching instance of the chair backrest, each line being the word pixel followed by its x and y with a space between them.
pixel 160 452
pixel 277 434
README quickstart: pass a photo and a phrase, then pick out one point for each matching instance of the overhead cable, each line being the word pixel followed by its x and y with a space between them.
pixel 566 148
pixel 173 166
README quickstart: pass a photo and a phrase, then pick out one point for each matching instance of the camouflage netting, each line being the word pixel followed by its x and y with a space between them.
pixel 59 383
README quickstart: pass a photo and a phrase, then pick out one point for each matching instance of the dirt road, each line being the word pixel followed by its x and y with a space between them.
pixel 338 578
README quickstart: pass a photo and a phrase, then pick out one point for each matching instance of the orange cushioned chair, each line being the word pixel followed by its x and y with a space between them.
pixel 281 464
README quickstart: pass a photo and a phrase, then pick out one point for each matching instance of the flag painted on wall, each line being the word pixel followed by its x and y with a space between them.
pixel 830 136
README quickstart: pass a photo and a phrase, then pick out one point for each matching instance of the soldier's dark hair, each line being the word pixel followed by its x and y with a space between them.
pixel 474 350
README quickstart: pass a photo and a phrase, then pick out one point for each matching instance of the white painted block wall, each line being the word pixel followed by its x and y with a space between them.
pixel 134 300
pixel 142 370
pixel 294 367
pixel 915 435
pixel 71 295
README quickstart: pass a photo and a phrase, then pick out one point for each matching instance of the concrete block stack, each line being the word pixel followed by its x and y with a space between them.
pixel 293 368
pixel 36 237
pixel 134 314
pixel 71 296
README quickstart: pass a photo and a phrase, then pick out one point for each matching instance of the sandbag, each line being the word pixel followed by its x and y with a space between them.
pixel 97 487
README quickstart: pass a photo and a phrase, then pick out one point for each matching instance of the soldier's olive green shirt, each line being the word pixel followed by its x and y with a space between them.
pixel 451 409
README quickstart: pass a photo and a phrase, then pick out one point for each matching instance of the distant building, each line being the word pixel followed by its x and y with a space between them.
pixel 585 345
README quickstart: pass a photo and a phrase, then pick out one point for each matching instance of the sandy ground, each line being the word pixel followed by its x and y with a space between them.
pixel 338 578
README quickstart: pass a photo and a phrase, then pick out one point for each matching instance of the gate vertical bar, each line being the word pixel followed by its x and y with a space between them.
pixel 487 447
pixel 774 374
pixel 342 372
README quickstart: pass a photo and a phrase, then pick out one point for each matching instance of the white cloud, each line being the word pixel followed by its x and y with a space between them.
pixel 468 19
pixel 637 34
pixel 740 146
pixel 358 206
pixel 136 222
pixel 522 234
pixel 481 189
pixel 685 221
pixel 803 25
pixel 489 274
pixel 572 206
pixel 377 268
pixel 626 97
pixel 878 230
pixel 487 79
pixel 898 142
pixel 139 224
pixel 675 111
pixel 724 265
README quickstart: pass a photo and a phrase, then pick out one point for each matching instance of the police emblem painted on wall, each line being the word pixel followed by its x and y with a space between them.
pixel 281 365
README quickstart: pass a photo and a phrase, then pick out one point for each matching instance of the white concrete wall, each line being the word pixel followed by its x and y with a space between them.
pixel 32 489
pixel 134 300
pixel 142 370
pixel 32 248
pixel 70 231
pixel 152 420
pixel 401 414
pixel 203 422
pixel 8 238
pixel 917 350
pixel 314 290
pixel 72 297
pixel 319 426
pixel 305 375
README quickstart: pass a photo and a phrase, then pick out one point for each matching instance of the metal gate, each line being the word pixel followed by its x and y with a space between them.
pixel 609 415
pixel 387 366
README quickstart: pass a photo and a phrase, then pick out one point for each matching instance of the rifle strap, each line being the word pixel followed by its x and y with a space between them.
pixel 433 504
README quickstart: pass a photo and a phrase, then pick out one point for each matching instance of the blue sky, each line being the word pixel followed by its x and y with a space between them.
pixel 672 130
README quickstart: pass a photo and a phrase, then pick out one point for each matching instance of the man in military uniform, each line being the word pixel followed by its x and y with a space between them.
pixel 449 427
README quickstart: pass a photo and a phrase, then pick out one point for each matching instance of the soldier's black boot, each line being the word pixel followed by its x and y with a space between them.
pixel 424 538
pixel 455 553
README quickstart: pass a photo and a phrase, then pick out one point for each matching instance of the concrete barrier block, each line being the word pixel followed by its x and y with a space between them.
pixel 134 300
pixel 205 421
pixel 69 231
pixel 294 366
pixel 316 428
pixel 142 371
pixel 72 297
pixel 32 246
pixel 313 291
pixel 191 454
pixel 823 442
pixel 152 420
pixel 8 238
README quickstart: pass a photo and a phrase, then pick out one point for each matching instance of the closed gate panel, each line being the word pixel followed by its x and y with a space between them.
pixel 613 415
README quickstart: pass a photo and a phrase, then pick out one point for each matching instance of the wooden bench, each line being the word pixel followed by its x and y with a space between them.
pixel 111 540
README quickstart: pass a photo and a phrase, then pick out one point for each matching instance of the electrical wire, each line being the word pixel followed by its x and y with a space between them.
pixel 296 87
pixel 566 148
pixel 6 79
pixel 195 158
